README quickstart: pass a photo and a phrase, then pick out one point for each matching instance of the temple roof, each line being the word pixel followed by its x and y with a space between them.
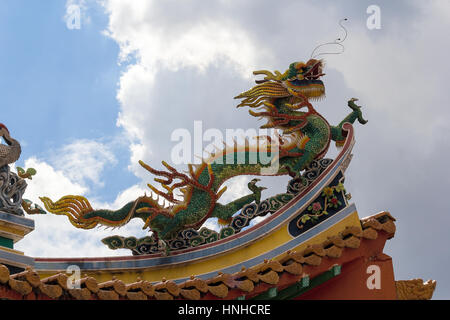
pixel 291 268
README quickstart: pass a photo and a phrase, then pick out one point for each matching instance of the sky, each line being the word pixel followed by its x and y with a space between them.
pixel 87 103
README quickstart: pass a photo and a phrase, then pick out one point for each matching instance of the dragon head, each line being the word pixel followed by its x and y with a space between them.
pixel 304 78
pixel 281 95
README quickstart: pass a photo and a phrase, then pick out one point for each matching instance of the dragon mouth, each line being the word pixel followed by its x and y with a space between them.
pixel 315 72
pixel 312 89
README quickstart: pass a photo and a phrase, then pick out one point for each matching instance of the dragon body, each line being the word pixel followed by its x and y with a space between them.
pixel 282 99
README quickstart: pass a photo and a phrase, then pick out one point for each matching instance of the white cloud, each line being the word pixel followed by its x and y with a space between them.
pixel 125 196
pixel 397 70
pixel 69 169
pixel 67 172
pixel 190 43
pixel 84 160
pixel 49 182
pixel 236 188
pixel 136 27
pixel 54 236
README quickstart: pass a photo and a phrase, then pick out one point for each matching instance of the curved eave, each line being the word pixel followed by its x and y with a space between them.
pixel 332 269
pixel 264 241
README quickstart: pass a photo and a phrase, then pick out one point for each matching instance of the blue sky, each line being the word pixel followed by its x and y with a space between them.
pixel 59 85
pixel 88 104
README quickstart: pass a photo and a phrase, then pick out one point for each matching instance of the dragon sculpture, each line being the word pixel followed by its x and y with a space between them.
pixel 12 185
pixel 284 100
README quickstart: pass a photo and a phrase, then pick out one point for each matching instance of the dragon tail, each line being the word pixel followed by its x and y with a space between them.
pixel 81 215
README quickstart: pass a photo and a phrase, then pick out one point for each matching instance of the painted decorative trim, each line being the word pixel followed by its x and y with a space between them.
pixel 331 200
pixel 15 259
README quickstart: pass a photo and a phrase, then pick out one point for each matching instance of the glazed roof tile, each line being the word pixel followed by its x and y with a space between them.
pixel 247 281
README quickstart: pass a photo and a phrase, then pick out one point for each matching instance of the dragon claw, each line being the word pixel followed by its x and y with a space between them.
pixel 357 109
pixel 255 189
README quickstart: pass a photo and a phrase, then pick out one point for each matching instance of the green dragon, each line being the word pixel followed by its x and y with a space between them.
pixel 284 100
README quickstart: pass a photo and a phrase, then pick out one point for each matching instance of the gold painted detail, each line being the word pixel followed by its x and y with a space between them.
pixel 11 250
pixel 415 289
pixel 19 232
